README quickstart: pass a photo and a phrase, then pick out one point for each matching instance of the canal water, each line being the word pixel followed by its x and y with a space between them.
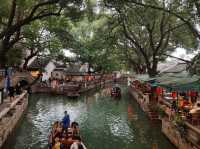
pixel 105 123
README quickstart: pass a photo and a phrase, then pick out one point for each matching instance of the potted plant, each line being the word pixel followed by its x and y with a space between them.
pixel 161 112
pixel 180 125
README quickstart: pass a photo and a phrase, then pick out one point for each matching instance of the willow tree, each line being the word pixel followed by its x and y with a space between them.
pixel 149 32
pixel 15 14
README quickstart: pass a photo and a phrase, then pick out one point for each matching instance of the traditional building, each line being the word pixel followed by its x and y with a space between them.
pixel 44 65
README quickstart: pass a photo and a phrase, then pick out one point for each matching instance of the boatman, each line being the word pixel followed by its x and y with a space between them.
pixel 66 121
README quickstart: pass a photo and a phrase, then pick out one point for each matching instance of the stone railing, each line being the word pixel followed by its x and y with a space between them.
pixel 188 139
pixel 12 105
pixel 193 135
pixel 10 116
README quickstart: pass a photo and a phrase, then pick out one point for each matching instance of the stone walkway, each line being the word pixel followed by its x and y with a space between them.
pixel 5 104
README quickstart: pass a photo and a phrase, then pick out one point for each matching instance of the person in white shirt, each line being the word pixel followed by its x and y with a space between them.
pixel 78 144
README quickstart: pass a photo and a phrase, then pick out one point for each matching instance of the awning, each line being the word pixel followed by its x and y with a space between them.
pixel 180 82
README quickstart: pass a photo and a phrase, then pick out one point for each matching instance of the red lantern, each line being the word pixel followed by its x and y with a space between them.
pixel 174 95
pixel 159 91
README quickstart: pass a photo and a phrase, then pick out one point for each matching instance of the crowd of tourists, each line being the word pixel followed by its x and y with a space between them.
pixel 187 104
pixel 65 135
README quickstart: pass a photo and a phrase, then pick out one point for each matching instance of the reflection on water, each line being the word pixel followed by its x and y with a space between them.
pixel 105 123
pixel 131 114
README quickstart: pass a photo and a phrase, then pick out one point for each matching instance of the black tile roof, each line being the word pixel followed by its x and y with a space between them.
pixel 40 63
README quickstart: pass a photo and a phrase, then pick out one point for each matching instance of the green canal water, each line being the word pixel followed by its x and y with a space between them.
pixel 105 123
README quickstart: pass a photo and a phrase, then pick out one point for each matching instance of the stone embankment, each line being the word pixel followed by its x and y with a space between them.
pixel 187 137
pixel 10 114
pixel 71 90
pixel 144 103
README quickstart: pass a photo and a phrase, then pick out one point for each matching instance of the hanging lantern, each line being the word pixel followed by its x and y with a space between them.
pixel 174 94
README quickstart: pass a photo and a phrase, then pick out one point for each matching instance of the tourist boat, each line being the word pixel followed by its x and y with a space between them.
pixel 64 138
pixel 115 92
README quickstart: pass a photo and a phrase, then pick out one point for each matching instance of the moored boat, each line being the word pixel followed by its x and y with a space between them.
pixel 116 92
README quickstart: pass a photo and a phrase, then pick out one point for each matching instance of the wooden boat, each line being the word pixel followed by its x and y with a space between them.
pixel 115 92
pixel 67 90
pixel 62 138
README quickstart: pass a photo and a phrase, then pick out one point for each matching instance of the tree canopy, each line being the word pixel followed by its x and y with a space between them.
pixel 149 33
pixel 16 14
pixel 107 34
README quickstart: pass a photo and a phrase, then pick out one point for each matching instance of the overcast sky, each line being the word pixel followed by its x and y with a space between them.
pixel 181 53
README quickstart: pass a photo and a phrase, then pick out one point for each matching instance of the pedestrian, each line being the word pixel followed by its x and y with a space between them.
pixel 11 91
pixel 18 89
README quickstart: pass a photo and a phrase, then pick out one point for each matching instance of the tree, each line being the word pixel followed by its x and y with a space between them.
pixel 133 60
pixel 16 14
pixel 94 45
pixel 33 41
pixel 188 12
pixel 147 31
pixel 37 40
pixel 194 66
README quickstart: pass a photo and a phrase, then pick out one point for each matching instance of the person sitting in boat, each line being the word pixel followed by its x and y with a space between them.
pixel 78 144
pixel 51 140
pixel 59 130
pixel 118 89
pixel 57 144
pixel 75 129
pixel 65 140
pixel 55 133
pixel 66 121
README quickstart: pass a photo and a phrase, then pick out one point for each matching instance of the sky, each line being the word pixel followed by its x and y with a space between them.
pixel 181 53
pixel 68 53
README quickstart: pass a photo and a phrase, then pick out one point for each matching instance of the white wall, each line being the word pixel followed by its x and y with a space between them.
pixel 48 69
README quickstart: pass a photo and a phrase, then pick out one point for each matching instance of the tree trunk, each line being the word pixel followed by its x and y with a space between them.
pixel 25 63
pixel 152 71
pixel 89 67
pixel 27 59
pixel 3 58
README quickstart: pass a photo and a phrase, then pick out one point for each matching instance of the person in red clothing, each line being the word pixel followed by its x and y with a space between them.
pixel 185 103
pixel 174 95
pixel 159 91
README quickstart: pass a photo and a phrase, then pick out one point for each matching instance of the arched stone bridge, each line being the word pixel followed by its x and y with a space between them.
pixel 17 77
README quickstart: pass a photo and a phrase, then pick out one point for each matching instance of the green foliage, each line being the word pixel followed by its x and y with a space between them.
pixel 95 31
pixel 194 67
pixel 94 45
pixel 147 34
pixel 161 112
pixel 180 125
pixel 15 57
pixel 26 18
